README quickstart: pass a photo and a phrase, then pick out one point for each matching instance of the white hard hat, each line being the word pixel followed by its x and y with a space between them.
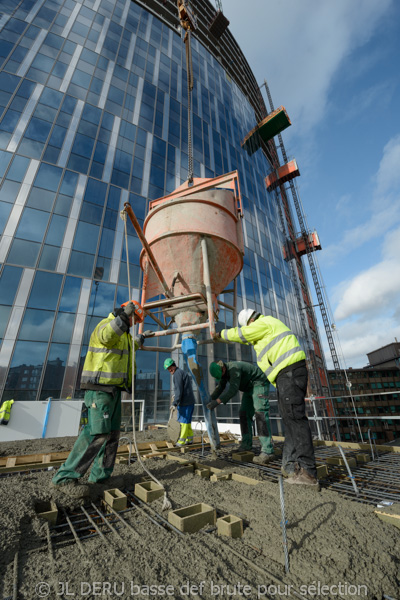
pixel 245 316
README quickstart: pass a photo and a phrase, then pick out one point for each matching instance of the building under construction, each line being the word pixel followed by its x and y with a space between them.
pixel 139 160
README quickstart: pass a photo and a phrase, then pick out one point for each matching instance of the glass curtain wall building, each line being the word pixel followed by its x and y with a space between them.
pixel 93 114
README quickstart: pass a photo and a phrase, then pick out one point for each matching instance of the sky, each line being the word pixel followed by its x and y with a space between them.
pixel 335 66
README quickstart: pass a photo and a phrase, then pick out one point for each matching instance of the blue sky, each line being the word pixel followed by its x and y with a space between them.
pixel 335 67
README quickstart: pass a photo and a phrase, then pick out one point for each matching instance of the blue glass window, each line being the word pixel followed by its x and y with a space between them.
pixel 56 230
pixel 64 327
pixel 37 325
pixel 113 198
pixel 101 299
pixel 5 158
pixel 53 377
pixel 42 199
pixel 38 130
pixel 48 177
pixel 91 213
pixel 96 192
pixel 18 168
pixel 8 82
pixel 107 243
pixel 5 210
pixel 49 257
pixel 69 182
pixel 86 237
pixel 81 264
pixel 45 290
pixel 23 253
pixel 9 191
pixel 27 364
pixel 9 283
pixel 4 315
pixel 32 225
pixel 10 120
pixel 70 295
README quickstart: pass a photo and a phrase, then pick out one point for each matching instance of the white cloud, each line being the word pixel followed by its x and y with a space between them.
pixel 299 47
pixel 381 214
pixel 362 337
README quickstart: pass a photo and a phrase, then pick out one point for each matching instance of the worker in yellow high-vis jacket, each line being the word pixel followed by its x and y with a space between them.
pixel 282 360
pixel 5 412
pixel 107 372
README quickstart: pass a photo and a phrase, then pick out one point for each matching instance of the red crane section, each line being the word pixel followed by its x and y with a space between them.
pixel 283 174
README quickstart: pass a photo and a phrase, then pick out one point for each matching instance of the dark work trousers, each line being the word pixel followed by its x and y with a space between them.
pixel 291 387
pixel 98 441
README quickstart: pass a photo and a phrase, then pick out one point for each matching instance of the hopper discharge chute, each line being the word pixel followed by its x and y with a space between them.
pixel 192 250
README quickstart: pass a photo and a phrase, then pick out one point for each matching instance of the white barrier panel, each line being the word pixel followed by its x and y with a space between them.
pixel 27 420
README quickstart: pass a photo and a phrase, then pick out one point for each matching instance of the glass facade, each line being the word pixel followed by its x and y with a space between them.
pixel 93 113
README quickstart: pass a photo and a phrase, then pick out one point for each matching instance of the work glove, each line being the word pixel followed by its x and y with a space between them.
pixel 129 309
pixel 140 339
pixel 217 335
pixel 213 404
pixel 148 333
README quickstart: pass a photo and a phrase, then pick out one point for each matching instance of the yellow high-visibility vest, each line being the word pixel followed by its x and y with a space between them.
pixel 275 345
pixel 109 357
pixel 5 411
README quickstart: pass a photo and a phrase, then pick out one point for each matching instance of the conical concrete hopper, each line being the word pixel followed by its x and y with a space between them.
pixel 185 230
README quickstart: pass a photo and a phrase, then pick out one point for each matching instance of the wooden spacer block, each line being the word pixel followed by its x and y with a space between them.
pixel 389 518
pixel 243 456
pixel 116 499
pixel 363 458
pixel 47 509
pixel 230 525
pixel 338 460
pixel 203 472
pixel 191 519
pixel 322 471
pixel 278 451
pixel 148 491
pixel 245 479
pixel 220 477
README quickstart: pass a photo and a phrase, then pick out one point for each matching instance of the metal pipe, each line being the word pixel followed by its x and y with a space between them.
pixel 186 329
pixel 207 282
pixel 150 255
pixel 283 524
pixel 172 301
pixel 349 470
pixel 370 443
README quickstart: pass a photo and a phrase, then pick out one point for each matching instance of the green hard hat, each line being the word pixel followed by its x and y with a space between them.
pixel 168 362
pixel 216 370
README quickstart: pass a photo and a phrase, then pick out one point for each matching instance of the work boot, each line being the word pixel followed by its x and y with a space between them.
pixel 263 458
pixel 241 448
pixel 71 487
pixel 287 474
pixel 304 478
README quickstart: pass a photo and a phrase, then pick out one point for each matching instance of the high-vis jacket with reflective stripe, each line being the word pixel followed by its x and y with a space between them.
pixel 5 411
pixel 109 357
pixel 275 345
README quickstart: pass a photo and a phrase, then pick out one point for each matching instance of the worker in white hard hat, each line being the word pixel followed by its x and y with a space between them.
pixel 283 361
pixel 107 372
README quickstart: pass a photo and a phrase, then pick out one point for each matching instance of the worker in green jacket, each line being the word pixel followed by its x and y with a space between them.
pixel 282 360
pixel 5 412
pixel 249 379
pixel 107 372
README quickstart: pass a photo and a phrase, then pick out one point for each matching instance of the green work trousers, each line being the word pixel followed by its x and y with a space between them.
pixel 98 441
pixel 255 402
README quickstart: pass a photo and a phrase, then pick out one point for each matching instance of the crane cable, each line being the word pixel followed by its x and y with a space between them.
pixel 189 68
pixel 166 502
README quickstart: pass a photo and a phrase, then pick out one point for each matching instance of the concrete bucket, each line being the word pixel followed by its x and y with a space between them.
pixel 186 230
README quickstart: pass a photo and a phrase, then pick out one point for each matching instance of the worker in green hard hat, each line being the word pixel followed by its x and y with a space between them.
pixel 249 379
pixel 183 400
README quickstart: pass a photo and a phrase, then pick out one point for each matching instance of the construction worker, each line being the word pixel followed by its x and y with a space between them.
pixel 249 379
pixel 282 360
pixel 183 401
pixel 5 411
pixel 107 372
